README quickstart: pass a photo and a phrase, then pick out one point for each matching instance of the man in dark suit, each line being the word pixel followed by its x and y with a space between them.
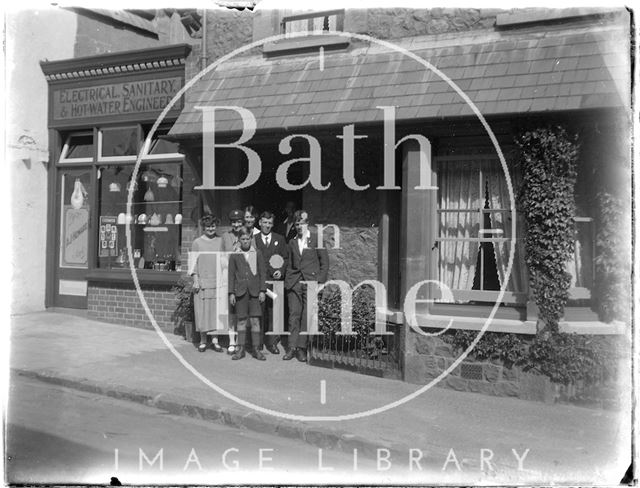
pixel 306 262
pixel 287 227
pixel 274 251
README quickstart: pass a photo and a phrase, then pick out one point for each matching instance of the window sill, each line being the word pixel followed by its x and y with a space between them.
pixel 145 276
pixel 296 45
pixel 473 323
pixel 593 327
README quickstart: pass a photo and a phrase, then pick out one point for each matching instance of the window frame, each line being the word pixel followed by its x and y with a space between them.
pixel 146 147
pixel 119 159
pixel 466 298
pixel 582 292
pixel 310 16
pixel 63 159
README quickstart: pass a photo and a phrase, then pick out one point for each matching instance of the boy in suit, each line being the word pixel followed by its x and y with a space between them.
pixel 306 262
pixel 274 251
pixel 246 293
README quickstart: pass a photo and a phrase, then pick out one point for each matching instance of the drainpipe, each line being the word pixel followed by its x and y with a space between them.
pixel 203 53
pixel 203 202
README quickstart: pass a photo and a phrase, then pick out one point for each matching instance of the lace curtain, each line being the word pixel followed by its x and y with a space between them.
pixel 462 186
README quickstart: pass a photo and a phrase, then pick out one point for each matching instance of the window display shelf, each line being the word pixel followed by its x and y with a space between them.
pixel 145 276
pixel 152 202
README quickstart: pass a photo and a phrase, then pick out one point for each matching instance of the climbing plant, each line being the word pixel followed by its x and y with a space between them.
pixel 613 255
pixel 547 159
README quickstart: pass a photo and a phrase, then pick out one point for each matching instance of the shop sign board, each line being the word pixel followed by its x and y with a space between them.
pixel 117 100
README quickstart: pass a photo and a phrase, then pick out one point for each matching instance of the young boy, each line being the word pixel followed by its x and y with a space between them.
pixel 247 287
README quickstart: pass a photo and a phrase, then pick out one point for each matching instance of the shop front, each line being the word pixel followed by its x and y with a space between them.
pixel 101 110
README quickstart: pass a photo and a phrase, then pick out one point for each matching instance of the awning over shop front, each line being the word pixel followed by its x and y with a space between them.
pixel 503 73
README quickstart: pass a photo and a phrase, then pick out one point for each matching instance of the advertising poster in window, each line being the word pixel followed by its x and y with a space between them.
pixel 75 237
pixel 108 237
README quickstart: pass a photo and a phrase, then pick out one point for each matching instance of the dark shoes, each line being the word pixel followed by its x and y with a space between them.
pixel 239 354
pixel 289 355
pixel 273 349
pixel 258 355
pixel 202 347
pixel 299 354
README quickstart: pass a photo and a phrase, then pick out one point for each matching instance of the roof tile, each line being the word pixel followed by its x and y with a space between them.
pixel 557 72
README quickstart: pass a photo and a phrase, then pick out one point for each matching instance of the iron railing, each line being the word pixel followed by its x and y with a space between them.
pixel 366 354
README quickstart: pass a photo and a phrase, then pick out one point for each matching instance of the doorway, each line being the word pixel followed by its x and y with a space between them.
pixel 73 208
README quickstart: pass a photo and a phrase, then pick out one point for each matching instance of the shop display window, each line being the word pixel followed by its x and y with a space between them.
pixel 118 142
pixel 155 216
pixel 161 148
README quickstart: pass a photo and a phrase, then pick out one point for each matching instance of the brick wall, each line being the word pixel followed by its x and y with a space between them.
pixel 119 304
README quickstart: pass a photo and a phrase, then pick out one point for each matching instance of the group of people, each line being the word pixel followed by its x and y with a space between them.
pixel 258 255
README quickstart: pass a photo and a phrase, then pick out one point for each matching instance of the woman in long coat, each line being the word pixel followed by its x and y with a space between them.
pixel 205 281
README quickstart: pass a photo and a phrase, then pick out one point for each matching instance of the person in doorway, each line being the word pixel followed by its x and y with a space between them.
pixel 231 243
pixel 205 280
pixel 287 227
pixel 306 262
pixel 274 252
pixel 246 293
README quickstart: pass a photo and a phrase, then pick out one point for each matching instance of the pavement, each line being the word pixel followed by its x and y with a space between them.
pixel 329 408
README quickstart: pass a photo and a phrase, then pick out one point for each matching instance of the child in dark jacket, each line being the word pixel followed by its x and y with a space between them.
pixel 247 287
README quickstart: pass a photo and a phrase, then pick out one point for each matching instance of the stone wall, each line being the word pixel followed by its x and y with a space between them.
pixel 403 22
pixel 428 357
pixel 227 29
pixel 394 23
pixel 354 212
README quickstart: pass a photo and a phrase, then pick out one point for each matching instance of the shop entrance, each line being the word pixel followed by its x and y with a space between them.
pixel 71 252
pixel 267 195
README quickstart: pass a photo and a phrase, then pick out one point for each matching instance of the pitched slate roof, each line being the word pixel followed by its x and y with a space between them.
pixel 502 73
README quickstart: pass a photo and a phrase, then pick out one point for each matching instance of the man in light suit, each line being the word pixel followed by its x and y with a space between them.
pixel 306 262
pixel 273 248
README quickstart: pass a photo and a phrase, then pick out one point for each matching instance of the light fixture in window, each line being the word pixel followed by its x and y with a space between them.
pixel 176 181
pixel 162 182
pixel 149 177
pixel 149 196
pixel 114 187
pixel 79 194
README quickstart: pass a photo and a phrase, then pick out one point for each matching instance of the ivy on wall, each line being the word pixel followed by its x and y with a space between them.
pixel 564 358
pixel 547 159
pixel 613 258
